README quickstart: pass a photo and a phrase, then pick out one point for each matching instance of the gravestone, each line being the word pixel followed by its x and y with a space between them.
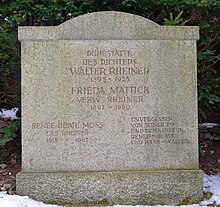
pixel 109 111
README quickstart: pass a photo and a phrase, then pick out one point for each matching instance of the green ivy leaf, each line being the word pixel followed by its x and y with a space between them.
pixel 9 132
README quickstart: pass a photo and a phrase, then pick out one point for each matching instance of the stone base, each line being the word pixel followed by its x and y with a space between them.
pixel 129 187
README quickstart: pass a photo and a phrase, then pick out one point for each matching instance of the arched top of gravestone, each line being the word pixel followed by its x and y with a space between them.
pixel 108 25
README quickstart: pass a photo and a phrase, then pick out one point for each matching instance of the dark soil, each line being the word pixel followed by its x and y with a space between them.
pixel 10 157
pixel 209 160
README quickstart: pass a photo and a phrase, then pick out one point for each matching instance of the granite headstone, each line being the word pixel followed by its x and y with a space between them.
pixel 109 111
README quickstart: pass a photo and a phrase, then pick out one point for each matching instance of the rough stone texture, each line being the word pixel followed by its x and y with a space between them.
pixel 109 135
pixel 138 187
pixel 109 91
pixel 109 26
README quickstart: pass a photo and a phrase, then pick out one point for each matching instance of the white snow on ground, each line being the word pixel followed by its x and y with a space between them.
pixel 211 184
pixel 19 201
pixel 9 113
pixel 195 205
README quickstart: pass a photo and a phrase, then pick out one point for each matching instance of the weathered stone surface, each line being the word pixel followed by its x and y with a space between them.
pixel 124 121
pixel 109 91
pixel 138 187
pixel 109 26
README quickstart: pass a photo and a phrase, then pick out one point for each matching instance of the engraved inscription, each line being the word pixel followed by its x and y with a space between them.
pixel 109 66
pixel 155 130
pixel 79 131
pixel 112 83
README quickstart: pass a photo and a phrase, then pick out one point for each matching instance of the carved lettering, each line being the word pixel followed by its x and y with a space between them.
pixel 87 99
pixel 88 90
pixel 128 71
pixel 155 130
pixel 124 99
pixel 89 71
pixel 129 90
pixel 109 53
pixel 151 119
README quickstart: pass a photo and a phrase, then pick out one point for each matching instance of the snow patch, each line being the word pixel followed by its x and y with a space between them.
pixel 194 205
pixel 212 185
pixel 9 113
pixel 19 201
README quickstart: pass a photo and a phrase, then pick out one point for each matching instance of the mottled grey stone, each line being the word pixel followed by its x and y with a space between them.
pixel 109 91
pixel 109 25
pixel 138 187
